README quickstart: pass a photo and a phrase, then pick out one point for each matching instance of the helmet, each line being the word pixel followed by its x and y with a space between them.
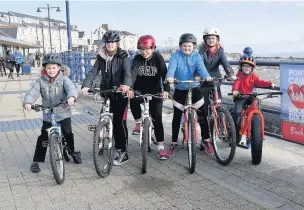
pixel 111 36
pixel 247 51
pixel 146 41
pixel 51 59
pixel 211 31
pixel 187 38
pixel 248 59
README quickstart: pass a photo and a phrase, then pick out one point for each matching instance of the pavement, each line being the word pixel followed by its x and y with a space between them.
pixel 277 183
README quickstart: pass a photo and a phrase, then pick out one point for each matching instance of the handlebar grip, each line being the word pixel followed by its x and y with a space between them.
pixel 230 94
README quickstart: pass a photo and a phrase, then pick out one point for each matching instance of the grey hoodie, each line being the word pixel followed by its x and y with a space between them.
pixel 52 95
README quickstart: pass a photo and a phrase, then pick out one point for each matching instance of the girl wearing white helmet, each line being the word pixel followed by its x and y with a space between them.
pixel 213 56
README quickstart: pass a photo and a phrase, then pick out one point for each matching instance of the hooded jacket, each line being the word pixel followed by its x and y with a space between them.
pixel 149 75
pixel 53 92
pixel 115 70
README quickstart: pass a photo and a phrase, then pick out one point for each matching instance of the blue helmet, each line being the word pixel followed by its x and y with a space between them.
pixel 248 51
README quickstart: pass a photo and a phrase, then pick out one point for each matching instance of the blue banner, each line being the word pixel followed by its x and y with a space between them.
pixel 292 86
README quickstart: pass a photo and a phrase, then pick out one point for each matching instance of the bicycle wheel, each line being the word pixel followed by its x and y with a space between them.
pixel 224 136
pixel 145 145
pixel 56 158
pixel 191 142
pixel 256 140
pixel 103 148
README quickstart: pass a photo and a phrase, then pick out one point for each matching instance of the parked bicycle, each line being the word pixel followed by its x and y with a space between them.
pixel 57 144
pixel 252 123
pixel 146 127
pixel 103 143
pixel 221 124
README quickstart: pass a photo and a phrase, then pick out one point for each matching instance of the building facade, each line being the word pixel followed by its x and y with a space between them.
pixel 35 30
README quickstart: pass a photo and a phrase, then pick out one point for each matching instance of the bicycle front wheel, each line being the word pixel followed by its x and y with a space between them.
pixel 103 148
pixel 145 144
pixel 56 158
pixel 191 142
pixel 223 136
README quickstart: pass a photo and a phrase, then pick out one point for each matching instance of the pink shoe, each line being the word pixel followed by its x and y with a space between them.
pixel 162 154
pixel 136 130
pixel 208 147
pixel 172 150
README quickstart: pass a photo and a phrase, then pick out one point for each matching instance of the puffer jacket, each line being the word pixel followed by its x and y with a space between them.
pixel 53 93
pixel 213 63
pixel 10 61
pixel 18 57
pixel 115 71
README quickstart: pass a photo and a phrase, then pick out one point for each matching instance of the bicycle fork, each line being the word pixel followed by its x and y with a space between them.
pixel 145 115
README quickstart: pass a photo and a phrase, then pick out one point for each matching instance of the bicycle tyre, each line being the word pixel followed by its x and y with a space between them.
pixel 54 146
pixel 256 140
pixel 101 169
pixel 191 143
pixel 231 130
pixel 145 145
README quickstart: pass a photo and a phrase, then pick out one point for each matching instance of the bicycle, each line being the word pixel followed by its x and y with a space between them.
pixel 190 124
pixel 252 123
pixel 103 132
pixel 146 127
pixel 221 124
pixel 57 145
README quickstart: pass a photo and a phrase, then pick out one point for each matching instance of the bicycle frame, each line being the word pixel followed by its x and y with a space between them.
pixel 145 115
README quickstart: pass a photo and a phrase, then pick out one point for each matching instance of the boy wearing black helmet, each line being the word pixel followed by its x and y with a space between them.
pixel 54 88
pixel 114 65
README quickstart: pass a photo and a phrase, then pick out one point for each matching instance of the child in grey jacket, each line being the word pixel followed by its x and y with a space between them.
pixel 54 88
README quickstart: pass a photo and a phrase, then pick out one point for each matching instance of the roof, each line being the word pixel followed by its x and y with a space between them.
pixel 4 34
pixel 11 41
pixel 81 34
pixel 126 33
pixel 97 42
pixel 31 16
pixel 105 27
pixel 10 31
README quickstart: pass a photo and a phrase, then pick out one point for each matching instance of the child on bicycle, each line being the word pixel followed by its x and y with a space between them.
pixel 149 72
pixel 114 65
pixel 55 89
pixel 246 81
pixel 182 66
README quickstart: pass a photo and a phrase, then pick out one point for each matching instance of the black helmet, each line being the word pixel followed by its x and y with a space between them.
pixel 51 59
pixel 111 36
pixel 187 38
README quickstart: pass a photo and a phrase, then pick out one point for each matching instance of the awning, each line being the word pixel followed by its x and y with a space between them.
pixel 15 42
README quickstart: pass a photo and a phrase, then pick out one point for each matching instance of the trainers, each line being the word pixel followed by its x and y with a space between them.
pixel 162 155
pixel 136 130
pixel 121 158
pixel 172 150
pixel 76 157
pixel 208 147
pixel 35 167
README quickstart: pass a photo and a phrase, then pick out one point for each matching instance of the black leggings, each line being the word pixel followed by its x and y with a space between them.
pixel 66 128
pixel 120 131
pixel 180 97
pixel 156 107
pixel 18 68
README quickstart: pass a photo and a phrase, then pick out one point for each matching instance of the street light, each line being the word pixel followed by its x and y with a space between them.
pixel 59 35
pixel 49 19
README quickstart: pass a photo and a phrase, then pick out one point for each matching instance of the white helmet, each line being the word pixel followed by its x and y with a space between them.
pixel 211 31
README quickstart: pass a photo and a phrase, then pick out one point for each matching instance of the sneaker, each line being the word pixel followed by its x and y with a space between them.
pixel 35 167
pixel 136 130
pixel 172 150
pixel 162 155
pixel 76 157
pixel 208 147
pixel 121 159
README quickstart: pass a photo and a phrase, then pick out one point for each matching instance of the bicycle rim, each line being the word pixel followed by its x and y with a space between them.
pixel 56 159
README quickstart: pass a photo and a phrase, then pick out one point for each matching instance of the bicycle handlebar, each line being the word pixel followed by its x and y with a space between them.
pixel 137 93
pixel 255 94
pixel 39 107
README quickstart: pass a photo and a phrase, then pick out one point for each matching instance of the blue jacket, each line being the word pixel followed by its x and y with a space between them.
pixel 18 57
pixel 182 67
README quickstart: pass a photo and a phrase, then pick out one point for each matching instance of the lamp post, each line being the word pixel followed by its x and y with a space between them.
pixel 59 35
pixel 42 33
pixel 9 14
pixel 49 19
pixel 67 6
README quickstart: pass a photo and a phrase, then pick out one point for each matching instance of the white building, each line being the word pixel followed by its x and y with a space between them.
pixel 35 30
pixel 128 40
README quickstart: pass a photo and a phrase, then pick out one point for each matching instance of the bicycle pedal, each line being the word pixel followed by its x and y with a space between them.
pixel 45 144
pixel 92 127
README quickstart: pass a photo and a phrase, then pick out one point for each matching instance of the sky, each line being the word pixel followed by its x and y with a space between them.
pixel 268 27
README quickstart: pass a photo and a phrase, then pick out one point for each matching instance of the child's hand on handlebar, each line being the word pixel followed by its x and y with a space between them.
pixel 130 94
pixel 85 91
pixel 273 86
pixel 28 107
pixel 170 80
pixel 209 79
pixel 235 93
pixel 233 77
pixel 71 101
pixel 165 94
pixel 123 88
